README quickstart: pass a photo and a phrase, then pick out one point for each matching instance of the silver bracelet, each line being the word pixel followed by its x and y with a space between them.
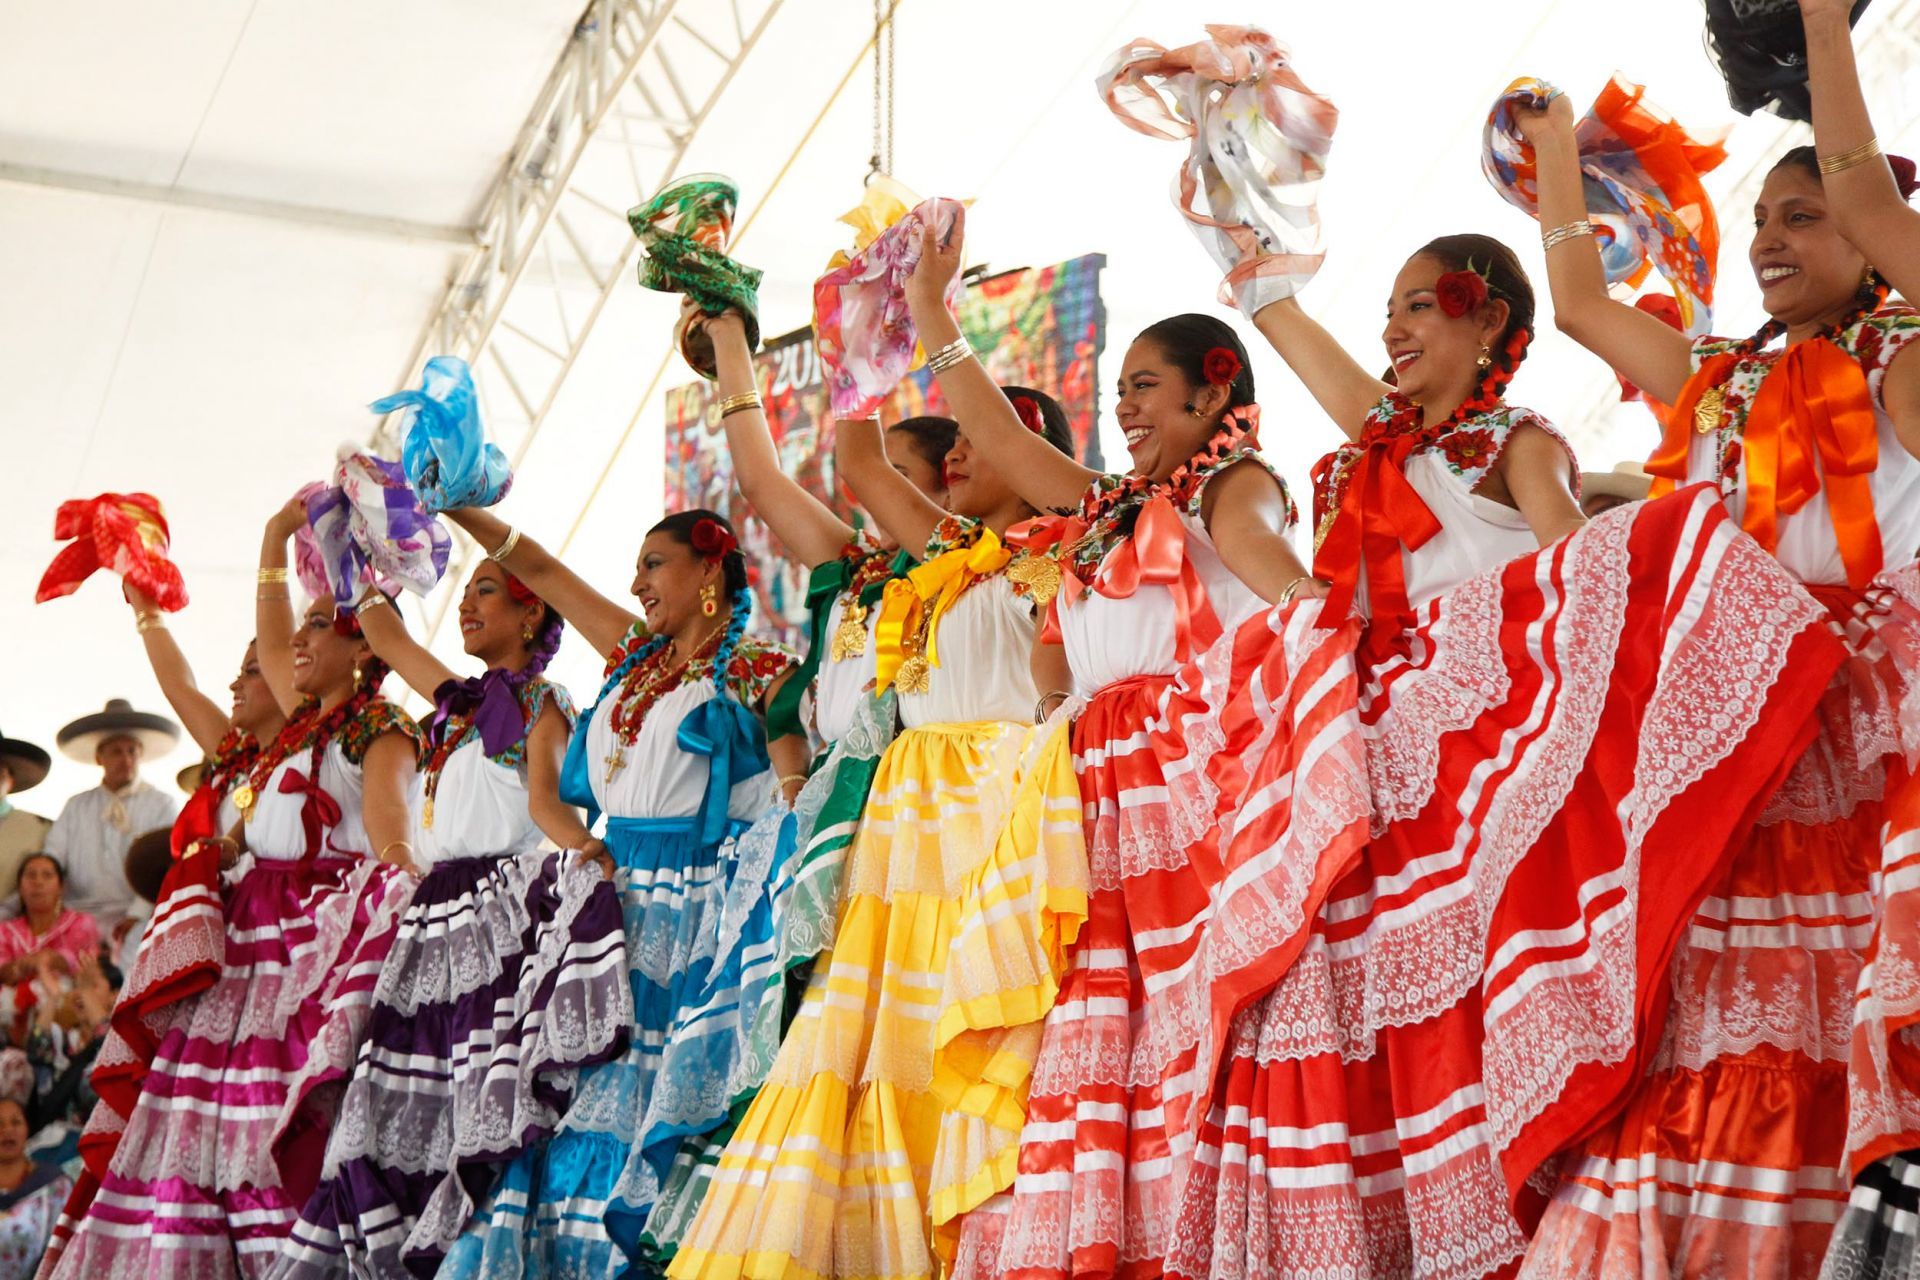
pixel 500 553
pixel 1040 707
pixel 950 355
pixel 1564 232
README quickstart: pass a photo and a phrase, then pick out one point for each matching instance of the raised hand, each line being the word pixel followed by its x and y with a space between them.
pixel 1537 123
pixel 940 259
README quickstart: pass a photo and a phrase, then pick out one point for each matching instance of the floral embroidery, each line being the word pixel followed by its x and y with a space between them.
pixel 533 700
pixel 379 719
pixel 237 753
pixel 1872 340
pixel 752 669
pixel 1469 450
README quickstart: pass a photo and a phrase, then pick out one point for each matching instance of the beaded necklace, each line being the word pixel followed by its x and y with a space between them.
pixel 650 679
pixel 308 730
pixel 454 731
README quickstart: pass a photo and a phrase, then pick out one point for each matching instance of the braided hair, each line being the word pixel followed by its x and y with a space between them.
pixel 546 638
pixel 1506 280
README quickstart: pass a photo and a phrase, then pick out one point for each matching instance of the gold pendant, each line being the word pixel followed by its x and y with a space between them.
pixel 243 801
pixel 850 637
pixel 426 814
pixel 1040 575
pixel 913 675
pixel 1707 410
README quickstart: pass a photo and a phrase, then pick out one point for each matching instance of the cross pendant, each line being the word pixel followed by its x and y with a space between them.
pixel 615 763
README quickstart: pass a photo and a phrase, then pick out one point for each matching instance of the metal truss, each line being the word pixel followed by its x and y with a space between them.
pixel 612 125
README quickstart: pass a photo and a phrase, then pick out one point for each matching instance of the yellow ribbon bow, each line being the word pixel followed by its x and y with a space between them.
pixel 911 608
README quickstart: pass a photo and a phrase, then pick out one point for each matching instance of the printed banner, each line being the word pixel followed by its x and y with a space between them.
pixel 1039 327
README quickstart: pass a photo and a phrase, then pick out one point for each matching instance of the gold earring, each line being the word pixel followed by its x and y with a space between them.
pixel 1486 356
pixel 526 635
pixel 358 675
pixel 708 604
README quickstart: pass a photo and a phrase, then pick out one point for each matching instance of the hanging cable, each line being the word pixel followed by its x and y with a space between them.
pixel 881 161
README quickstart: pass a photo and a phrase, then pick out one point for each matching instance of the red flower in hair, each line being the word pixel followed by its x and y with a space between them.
pixel 1220 367
pixel 711 538
pixel 1028 410
pixel 1903 175
pixel 1460 292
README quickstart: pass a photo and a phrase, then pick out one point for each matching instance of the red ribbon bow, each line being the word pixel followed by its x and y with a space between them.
pixel 1379 513
pixel 320 811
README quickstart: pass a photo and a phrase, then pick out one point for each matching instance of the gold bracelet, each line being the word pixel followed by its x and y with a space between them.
pixel 950 355
pixel 800 778
pixel 146 622
pixel 500 553
pixel 1564 232
pixel 740 403
pixel 273 575
pixel 1866 151
pixel 1288 592
pixel 397 844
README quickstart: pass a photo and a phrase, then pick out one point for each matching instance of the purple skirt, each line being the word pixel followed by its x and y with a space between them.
pixel 224 1143
pixel 508 976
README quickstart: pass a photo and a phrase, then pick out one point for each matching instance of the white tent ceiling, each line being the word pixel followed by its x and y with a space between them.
pixel 214 356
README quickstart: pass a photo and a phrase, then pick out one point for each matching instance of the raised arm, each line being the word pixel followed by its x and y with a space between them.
pixel 1344 390
pixel 205 719
pixel 1246 516
pixel 386 634
pixel 1862 196
pixel 1044 477
pixel 805 525
pixel 273 606
pixel 1638 346
pixel 860 456
pixel 599 620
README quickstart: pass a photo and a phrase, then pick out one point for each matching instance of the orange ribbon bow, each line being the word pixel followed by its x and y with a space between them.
pixel 1811 427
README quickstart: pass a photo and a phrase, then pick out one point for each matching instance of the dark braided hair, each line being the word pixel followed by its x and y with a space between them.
pixel 546 638
pixel 679 526
pixel 1506 280
pixel 1186 339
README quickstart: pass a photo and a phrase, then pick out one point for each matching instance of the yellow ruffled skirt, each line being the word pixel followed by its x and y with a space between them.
pixel 896 1102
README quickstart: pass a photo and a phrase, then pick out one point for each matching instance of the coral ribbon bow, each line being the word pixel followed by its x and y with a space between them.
pixel 1379 513
pixel 929 589
pixel 1811 427
pixel 321 809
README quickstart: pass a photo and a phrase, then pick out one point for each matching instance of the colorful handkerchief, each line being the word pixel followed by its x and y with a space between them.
pixel 860 320
pixel 125 533
pixel 445 451
pixel 685 231
pixel 1643 188
pixel 1260 137
pixel 368 526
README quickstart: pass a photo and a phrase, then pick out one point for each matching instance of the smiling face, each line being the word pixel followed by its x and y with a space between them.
pixel 323 659
pixel 1435 356
pixel 253 704
pixel 40 887
pixel 493 625
pixel 1166 416
pixel 1809 275
pixel 13 1132
pixel 119 761
pixel 667 579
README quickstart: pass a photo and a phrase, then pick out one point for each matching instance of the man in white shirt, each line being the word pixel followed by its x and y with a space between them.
pixel 92 833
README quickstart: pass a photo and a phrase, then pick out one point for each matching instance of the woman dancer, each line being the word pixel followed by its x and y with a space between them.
pixel 1194 536
pixel 506 977
pixel 1475 982
pixel 799 853
pixel 1880 1234
pixel 182 942
pixel 225 1141
pixel 895 1103
pixel 1728 1153
pixel 674 753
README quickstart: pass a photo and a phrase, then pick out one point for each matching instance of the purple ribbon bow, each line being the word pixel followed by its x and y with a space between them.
pixel 493 703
